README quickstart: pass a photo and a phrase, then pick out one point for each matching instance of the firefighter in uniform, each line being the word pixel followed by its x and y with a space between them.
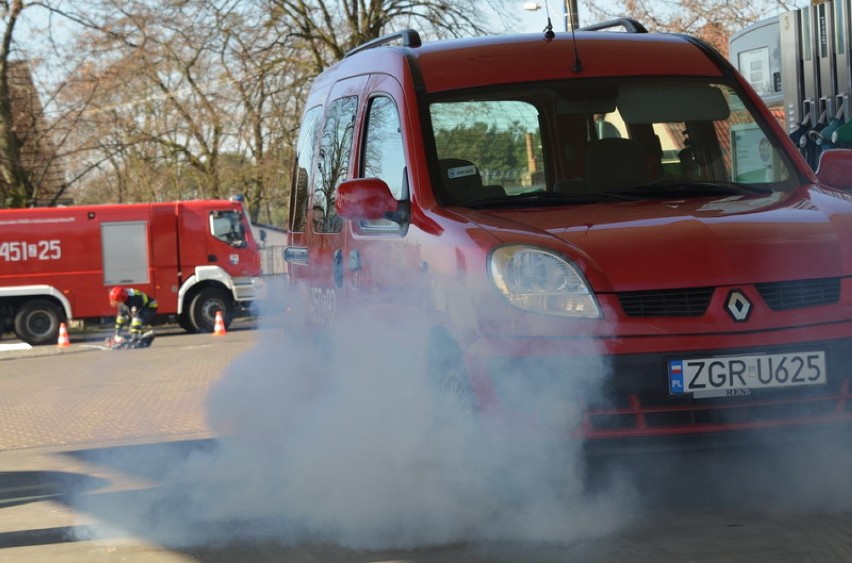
pixel 134 307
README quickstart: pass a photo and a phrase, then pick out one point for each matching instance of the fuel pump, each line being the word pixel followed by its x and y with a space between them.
pixel 841 137
pixel 814 45
pixel 802 134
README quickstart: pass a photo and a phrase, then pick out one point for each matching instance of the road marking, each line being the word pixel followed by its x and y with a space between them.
pixel 16 346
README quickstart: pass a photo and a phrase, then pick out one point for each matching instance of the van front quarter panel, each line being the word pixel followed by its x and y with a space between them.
pixel 641 217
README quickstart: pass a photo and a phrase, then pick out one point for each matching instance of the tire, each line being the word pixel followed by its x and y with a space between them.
pixel 202 310
pixel 37 322
pixel 185 323
pixel 455 390
pixel 450 381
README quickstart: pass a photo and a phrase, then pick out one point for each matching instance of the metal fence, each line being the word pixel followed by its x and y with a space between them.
pixel 272 261
pixel 275 276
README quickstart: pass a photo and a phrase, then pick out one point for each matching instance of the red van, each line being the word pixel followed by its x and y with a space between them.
pixel 553 204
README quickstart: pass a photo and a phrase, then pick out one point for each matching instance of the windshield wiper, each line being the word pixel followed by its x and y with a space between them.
pixel 532 199
pixel 672 187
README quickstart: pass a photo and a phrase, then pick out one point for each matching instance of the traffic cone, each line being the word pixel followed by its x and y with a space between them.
pixel 64 341
pixel 219 326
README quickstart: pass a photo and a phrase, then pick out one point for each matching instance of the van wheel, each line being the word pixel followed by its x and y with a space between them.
pixel 203 309
pixel 449 378
pixel 456 392
pixel 37 322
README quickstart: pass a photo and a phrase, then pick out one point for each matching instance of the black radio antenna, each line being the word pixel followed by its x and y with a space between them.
pixel 578 66
pixel 548 29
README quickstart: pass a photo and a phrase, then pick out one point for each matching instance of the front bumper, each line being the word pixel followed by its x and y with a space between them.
pixel 249 289
pixel 617 397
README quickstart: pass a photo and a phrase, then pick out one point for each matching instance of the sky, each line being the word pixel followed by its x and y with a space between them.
pixel 533 21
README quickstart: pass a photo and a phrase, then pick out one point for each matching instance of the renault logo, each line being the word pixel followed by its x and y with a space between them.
pixel 738 305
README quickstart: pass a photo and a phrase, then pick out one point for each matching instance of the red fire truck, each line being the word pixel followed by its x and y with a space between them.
pixel 57 264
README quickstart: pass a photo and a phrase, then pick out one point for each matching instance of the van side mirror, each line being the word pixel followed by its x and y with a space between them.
pixel 366 199
pixel 835 168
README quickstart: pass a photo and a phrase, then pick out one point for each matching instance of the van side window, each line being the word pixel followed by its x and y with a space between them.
pixel 335 148
pixel 383 154
pixel 304 164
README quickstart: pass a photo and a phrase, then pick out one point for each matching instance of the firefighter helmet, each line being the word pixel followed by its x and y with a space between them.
pixel 117 294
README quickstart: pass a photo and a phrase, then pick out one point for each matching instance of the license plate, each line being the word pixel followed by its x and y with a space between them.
pixel 737 375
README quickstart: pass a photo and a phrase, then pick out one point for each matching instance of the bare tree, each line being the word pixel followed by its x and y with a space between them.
pixel 267 91
pixel 326 30
pixel 15 185
pixel 154 80
pixel 34 133
pixel 190 90
pixel 206 95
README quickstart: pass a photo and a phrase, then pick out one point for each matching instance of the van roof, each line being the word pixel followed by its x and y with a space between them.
pixel 462 63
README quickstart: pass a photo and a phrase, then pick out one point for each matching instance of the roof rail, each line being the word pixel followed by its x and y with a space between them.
pixel 629 24
pixel 409 37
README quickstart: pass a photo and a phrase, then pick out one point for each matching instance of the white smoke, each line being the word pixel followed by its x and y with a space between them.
pixel 348 442
pixel 345 442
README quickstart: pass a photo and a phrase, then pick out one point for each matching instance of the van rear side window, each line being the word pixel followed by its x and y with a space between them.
pixel 304 166
pixel 335 150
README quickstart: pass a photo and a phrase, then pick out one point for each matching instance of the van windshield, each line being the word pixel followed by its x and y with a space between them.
pixel 591 140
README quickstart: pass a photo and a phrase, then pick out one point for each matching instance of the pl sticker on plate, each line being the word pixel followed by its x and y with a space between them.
pixel 676 377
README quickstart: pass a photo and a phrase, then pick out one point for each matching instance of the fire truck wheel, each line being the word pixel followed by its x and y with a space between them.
pixel 203 309
pixel 37 322
pixel 186 323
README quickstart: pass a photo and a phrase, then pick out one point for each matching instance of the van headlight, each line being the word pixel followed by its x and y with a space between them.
pixel 541 281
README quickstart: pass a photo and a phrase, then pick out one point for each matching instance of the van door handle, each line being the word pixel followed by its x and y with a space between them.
pixel 354 261
pixel 337 268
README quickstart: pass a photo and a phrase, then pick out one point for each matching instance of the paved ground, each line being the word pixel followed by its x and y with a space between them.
pixel 79 427
pixel 57 406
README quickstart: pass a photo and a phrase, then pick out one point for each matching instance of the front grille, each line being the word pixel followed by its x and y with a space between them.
pixel 659 414
pixel 782 296
pixel 691 302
